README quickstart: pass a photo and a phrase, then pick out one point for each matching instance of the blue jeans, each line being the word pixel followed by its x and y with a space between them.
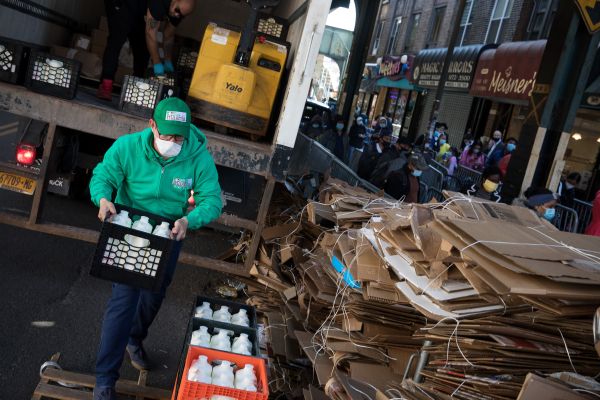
pixel 129 313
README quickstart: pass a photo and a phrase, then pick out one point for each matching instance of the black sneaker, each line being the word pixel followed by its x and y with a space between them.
pixel 105 393
pixel 138 357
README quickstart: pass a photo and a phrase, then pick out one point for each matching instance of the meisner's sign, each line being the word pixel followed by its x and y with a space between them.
pixel 509 72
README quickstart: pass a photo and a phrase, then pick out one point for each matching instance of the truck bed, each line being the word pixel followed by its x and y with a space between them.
pixel 88 114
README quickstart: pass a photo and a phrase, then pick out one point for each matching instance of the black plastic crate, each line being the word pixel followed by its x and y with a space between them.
pixel 139 96
pixel 196 323
pixel 169 87
pixel 13 61
pixel 184 69
pixel 53 75
pixel 234 307
pixel 118 261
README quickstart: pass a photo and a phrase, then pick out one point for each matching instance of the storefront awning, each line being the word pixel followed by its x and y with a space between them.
pixel 508 73
pixel 403 84
pixel 428 64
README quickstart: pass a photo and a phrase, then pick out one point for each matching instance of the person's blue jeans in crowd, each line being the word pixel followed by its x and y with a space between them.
pixel 129 313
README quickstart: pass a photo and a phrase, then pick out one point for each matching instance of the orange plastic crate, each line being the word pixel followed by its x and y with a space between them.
pixel 197 391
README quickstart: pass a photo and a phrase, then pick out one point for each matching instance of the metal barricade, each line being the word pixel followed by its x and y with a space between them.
pixel 311 156
pixel 432 177
pixel 584 213
pixel 467 176
pixel 433 193
pixel 423 192
pixel 438 166
pixel 565 219
pixel 452 183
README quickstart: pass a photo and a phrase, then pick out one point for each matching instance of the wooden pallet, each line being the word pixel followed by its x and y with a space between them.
pixel 49 388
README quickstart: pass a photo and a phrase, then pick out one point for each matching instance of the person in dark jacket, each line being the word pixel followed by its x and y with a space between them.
pixel 370 156
pixel 495 150
pixel 566 189
pixel 383 127
pixel 393 158
pixel 356 137
pixel 404 183
pixel 489 185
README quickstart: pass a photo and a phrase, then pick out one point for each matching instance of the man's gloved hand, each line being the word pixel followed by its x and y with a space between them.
pixel 179 229
pixel 159 69
pixel 169 66
pixel 107 209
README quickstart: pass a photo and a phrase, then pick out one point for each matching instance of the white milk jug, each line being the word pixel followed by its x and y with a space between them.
pixel 122 218
pixel 200 371
pixel 221 342
pixel 204 311
pixel 143 225
pixel 241 318
pixel 162 230
pixel 242 345
pixel 222 375
pixel 222 314
pixel 245 378
pixel 201 337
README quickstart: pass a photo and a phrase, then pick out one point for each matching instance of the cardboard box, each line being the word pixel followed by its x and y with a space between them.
pixel 120 75
pixel 99 37
pixel 81 42
pixel 535 388
pixel 91 64
pixel 103 25
pixel 98 49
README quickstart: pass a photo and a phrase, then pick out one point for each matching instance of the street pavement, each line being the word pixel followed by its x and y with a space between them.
pixel 50 303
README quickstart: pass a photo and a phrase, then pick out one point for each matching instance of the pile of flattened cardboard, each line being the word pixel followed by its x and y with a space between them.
pixel 358 285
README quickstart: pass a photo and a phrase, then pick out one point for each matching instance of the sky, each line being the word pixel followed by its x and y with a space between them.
pixel 343 17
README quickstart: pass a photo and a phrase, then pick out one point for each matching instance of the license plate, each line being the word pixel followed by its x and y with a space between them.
pixel 17 183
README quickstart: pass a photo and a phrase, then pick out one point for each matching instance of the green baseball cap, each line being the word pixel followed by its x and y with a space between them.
pixel 172 117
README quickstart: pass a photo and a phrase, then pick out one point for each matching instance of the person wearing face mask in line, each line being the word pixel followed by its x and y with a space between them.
pixel 542 201
pixel 356 138
pixel 340 140
pixel 489 187
pixel 154 170
pixel 440 128
pixel 444 147
pixel 495 149
pixel 472 157
pixel 393 158
pixel 566 189
pixel 383 127
pixel 371 154
pixel 511 145
pixel 404 183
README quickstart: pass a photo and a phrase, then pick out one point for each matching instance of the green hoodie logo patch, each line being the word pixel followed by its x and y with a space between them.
pixel 182 183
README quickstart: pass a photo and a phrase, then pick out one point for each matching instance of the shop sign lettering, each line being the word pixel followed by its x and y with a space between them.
pixel 503 83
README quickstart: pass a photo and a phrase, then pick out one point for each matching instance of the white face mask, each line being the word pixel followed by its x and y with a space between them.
pixel 167 148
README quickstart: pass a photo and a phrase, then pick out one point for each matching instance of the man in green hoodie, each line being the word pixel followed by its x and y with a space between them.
pixel 154 170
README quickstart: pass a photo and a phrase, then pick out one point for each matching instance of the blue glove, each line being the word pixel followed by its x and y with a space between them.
pixel 169 66
pixel 159 69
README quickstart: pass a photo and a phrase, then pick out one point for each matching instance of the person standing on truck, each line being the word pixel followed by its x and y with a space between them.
pixel 138 21
pixel 153 170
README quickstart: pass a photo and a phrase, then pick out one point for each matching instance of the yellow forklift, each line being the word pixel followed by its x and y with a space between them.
pixel 237 74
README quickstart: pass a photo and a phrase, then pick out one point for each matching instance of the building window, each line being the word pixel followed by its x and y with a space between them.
pixel 541 19
pixel 377 40
pixel 465 22
pixel 500 16
pixel 437 17
pixel 413 28
pixel 394 35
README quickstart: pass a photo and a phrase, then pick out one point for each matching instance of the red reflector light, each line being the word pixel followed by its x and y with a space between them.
pixel 26 154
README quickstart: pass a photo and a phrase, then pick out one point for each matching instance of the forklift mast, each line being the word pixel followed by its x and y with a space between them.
pixel 244 49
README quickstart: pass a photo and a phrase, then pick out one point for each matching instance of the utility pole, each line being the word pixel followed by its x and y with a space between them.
pixel 444 74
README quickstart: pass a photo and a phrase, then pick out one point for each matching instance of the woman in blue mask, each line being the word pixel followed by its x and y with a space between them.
pixel 542 201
